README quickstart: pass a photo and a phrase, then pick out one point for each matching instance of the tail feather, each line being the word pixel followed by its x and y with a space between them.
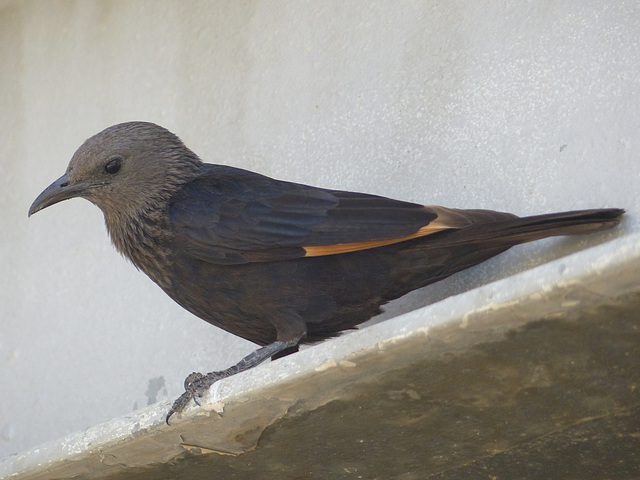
pixel 526 229
pixel 429 259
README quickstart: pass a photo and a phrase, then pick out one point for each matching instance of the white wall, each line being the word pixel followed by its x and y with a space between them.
pixel 529 107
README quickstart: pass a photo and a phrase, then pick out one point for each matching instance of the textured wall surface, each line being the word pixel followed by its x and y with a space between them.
pixel 526 107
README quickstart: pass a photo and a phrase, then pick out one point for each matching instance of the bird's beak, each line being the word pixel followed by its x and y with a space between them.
pixel 56 192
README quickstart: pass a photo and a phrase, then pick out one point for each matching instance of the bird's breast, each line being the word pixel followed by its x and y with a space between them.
pixel 144 240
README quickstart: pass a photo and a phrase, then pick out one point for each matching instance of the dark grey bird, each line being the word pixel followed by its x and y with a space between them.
pixel 275 262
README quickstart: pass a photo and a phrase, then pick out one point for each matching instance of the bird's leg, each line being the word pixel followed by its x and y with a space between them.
pixel 197 384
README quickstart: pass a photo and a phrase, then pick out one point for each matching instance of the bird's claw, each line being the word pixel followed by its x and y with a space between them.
pixel 195 386
pixel 179 405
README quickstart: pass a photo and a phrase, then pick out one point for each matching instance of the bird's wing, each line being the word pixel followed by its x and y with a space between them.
pixel 232 216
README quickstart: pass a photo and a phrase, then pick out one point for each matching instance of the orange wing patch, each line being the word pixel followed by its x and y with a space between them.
pixel 318 251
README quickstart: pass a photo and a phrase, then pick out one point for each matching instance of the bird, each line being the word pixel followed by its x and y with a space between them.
pixel 277 263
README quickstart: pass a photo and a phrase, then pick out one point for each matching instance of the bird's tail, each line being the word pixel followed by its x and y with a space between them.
pixel 434 257
pixel 517 230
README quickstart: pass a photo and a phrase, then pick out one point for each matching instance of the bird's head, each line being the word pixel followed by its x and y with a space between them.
pixel 124 170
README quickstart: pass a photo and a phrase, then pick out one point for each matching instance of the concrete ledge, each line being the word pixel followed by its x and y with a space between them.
pixel 238 410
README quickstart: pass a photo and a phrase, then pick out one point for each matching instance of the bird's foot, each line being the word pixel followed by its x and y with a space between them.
pixel 195 386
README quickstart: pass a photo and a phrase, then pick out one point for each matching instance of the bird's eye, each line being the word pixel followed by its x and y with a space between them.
pixel 113 166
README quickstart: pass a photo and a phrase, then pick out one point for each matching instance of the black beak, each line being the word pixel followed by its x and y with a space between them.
pixel 56 192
